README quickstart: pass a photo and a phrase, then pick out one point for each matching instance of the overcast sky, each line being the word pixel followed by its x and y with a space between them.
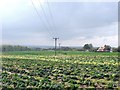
pixel 75 23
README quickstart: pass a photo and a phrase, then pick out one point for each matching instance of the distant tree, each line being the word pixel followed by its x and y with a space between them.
pixel 14 48
pixel 95 49
pixel 107 47
pixel 66 48
pixel 91 46
pixel 88 47
pixel 7 48
pixel 114 49
pixel 38 49
pixel 81 49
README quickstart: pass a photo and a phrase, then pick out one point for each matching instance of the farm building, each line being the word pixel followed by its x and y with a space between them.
pixel 105 48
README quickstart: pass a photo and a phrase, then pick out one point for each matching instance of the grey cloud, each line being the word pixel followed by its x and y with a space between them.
pixel 71 20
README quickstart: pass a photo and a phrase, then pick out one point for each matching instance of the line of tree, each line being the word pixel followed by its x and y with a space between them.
pixel 86 47
pixel 14 48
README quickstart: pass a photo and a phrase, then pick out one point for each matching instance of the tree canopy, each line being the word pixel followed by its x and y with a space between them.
pixel 88 46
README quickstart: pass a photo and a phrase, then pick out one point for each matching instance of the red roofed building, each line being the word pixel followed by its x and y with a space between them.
pixel 105 48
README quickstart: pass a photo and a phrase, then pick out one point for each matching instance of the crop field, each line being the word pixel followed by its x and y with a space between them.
pixel 66 71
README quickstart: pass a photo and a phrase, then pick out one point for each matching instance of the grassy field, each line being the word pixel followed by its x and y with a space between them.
pixel 71 70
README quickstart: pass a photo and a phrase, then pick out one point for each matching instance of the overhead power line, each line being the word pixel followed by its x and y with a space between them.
pixel 51 15
pixel 46 17
pixel 47 20
pixel 46 26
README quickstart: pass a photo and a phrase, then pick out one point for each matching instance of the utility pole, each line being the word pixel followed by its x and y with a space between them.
pixel 55 44
pixel 59 45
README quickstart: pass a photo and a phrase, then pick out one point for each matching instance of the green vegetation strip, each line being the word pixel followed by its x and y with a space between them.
pixel 70 72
